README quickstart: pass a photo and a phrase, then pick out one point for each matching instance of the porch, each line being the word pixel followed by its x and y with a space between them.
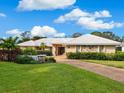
pixel 58 49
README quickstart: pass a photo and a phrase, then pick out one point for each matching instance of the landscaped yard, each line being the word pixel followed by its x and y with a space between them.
pixel 53 78
pixel 118 64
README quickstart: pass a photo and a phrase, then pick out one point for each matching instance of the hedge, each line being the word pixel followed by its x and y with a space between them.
pixel 50 60
pixel 31 51
pixel 46 52
pixel 9 55
pixel 119 56
pixel 24 59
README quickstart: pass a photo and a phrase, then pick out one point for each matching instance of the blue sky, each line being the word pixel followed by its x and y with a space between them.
pixel 37 19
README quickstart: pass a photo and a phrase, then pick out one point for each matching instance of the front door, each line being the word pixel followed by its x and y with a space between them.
pixel 61 50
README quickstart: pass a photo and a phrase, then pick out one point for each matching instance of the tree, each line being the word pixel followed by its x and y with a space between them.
pixel 37 37
pixel 9 43
pixel 25 36
pixel 122 39
pixel 107 34
pixel 76 35
pixel 97 33
pixel 42 46
pixel 24 40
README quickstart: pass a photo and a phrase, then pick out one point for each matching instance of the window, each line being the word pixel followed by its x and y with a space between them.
pixel 69 46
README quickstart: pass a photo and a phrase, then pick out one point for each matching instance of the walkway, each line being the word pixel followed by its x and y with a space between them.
pixel 111 72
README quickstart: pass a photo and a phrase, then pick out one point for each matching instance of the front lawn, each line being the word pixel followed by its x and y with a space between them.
pixel 53 78
pixel 118 64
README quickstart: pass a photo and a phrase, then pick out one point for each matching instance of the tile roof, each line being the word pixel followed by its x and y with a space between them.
pixel 86 39
pixel 89 39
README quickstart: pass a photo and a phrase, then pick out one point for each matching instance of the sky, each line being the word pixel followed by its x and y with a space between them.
pixel 59 18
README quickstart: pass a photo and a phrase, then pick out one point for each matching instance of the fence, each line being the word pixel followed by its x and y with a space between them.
pixel 8 55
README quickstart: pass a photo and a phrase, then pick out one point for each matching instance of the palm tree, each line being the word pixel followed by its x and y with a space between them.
pixel 9 43
pixel 42 46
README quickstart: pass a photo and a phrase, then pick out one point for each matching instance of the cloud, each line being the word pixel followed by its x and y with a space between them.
pixel 14 32
pixel 59 35
pixel 93 21
pixel 30 5
pixel 93 24
pixel 103 13
pixel 73 15
pixel 2 15
pixel 46 31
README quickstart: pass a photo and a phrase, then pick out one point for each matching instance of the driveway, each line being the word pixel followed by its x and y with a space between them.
pixel 110 72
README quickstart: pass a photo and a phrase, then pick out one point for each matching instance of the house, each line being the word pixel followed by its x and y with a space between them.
pixel 84 43
pixel 121 47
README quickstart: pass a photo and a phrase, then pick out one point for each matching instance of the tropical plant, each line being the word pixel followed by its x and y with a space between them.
pixel 29 51
pixel 9 43
pixel 42 46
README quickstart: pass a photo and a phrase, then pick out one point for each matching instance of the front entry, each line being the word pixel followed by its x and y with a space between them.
pixel 61 50
pixel 58 49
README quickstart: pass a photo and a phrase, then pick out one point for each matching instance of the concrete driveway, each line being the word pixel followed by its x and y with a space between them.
pixel 110 72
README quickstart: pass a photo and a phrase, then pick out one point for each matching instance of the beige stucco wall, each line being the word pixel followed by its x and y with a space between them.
pixel 70 48
pixel 89 49
pixel 110 49
pixel 96 48
pixel 54 51
pixel 73 48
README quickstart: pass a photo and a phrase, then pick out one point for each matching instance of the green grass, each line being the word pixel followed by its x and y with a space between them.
pixel 53 78
pixel 118 64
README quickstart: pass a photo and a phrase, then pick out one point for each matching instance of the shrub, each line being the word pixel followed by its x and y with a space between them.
pixel 73 55
pixel 50 60
pixel 45 52
pixel 118 49
pixel 29 51
pixel 9 55
pixel 86 55
pixel 24 59
pixel 119 56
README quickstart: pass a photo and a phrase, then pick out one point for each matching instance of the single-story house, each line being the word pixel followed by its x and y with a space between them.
pixel 121 47
pixel 84 43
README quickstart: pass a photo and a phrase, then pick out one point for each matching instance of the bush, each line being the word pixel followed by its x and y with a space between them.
pixel 119 56
pixel 9 55
pixel 45 52
pixel 24 59
pixel 50 60
pixel 96 56
pixel 86 55
pixel 29 51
